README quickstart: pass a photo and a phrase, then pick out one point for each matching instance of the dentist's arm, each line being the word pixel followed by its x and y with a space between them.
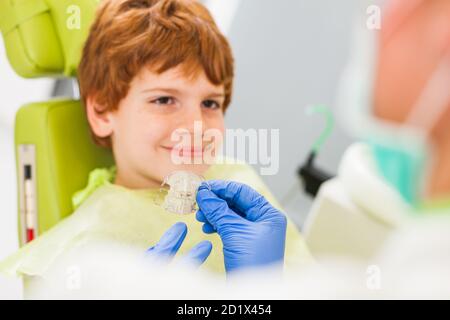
pixel 253 232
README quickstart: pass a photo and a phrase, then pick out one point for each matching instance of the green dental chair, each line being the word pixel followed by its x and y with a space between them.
pixel 54 150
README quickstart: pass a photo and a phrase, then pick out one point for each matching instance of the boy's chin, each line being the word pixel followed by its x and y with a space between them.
pixel 199 169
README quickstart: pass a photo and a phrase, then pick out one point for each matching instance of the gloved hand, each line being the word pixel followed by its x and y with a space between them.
pixel 170 243
pixel 253 232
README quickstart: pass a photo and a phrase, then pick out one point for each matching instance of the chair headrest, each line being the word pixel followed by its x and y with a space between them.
pixel 45 37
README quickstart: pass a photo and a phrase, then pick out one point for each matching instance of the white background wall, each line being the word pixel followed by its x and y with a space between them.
pixel 289 54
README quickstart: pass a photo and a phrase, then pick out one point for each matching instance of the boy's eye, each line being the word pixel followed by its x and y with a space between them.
pixel 164 101
pixel 211 104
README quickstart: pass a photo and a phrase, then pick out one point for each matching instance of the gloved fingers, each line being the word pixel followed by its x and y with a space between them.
pixel 264 211
pixel 208 228
pixel 215 209
pixel 200 216
pixel 236 194
pixel 199 254
pixel 170 242
pixel 240 197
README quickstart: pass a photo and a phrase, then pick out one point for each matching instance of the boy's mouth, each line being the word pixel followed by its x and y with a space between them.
pixel 186 151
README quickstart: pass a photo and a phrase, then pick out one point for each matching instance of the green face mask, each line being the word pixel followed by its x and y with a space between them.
pixel 403 169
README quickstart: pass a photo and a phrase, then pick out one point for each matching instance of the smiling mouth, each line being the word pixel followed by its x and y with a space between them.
pixel 187 151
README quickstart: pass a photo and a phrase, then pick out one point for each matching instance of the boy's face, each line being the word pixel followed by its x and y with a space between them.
pixel 157 105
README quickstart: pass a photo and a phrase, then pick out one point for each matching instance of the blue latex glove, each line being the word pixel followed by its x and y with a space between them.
pixel 170 243
pixel 253 232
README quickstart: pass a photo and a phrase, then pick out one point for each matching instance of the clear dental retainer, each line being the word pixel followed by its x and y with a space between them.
pixel 182 192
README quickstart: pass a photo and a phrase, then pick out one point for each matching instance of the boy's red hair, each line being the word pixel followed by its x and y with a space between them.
pixel 129 35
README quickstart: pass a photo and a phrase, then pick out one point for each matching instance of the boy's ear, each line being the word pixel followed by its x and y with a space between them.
pixel 100 121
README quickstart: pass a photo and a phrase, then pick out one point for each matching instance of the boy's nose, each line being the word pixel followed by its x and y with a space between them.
pixel 192 118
